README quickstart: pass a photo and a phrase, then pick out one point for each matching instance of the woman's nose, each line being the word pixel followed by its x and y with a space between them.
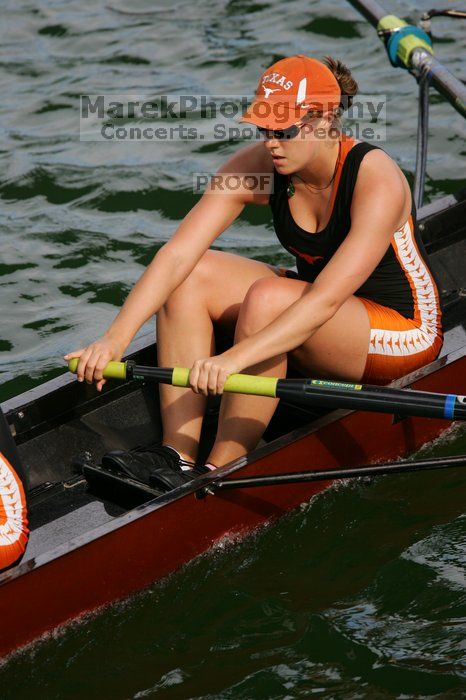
pixel 271 143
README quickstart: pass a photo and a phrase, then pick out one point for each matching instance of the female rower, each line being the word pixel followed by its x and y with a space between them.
pixel 363 305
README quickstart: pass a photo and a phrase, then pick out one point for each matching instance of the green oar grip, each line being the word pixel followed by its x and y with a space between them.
pixel 237 383
pixel 114 370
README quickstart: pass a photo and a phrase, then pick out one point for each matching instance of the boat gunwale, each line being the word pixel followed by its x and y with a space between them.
pixel 26 398
pixel 204 481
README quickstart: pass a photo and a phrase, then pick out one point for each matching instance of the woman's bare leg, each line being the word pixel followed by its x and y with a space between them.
pixel 213 293
pixel 338 349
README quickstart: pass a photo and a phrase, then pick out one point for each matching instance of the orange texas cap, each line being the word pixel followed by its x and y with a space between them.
pixel 289 89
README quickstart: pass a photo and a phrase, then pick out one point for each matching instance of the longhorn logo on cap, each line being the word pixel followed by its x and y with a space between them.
pixel 269 90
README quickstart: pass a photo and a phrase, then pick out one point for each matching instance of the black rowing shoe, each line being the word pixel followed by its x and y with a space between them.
pixel 158 467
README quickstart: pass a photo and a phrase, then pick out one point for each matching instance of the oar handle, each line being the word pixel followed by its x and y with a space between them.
pixel 179 376
pixel 236 383
pixel 114 370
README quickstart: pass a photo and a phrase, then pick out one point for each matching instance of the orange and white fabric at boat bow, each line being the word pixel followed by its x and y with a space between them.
pixel 13 515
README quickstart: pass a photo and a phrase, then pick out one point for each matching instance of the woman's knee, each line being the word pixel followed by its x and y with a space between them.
pixel 263 302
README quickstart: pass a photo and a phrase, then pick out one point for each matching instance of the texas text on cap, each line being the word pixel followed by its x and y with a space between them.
pixel 289 89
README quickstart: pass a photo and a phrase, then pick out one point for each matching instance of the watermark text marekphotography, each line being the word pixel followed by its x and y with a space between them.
pixel 210 118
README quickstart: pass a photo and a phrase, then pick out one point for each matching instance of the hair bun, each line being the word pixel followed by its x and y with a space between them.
pixel 348 85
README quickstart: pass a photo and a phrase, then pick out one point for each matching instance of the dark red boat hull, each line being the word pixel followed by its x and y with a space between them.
pixel 153 541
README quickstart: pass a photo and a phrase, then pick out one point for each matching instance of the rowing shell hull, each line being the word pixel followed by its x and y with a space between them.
pixel 150 542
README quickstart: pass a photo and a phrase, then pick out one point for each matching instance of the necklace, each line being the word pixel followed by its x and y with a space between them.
pixel 290 190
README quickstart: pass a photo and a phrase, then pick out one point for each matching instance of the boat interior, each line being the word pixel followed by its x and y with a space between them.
pixel 63 428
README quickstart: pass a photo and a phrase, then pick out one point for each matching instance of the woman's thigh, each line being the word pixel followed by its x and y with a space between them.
pixel 338 349
pixel 224 280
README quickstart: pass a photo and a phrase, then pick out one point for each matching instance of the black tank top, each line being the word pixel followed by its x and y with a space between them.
pixel 394 282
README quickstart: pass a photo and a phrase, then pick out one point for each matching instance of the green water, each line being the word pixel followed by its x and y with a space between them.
pixel 360 594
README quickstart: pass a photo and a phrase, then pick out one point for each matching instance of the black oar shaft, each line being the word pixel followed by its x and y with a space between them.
pixel 373 398
pixel 163 375
pixel 372 11
pixel 328 394
pixel 335 474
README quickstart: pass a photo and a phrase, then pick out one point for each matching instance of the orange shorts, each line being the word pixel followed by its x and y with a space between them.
pixel 398 345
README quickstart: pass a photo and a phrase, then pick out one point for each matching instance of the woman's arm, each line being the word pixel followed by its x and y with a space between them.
pixel 381 204
pixel 170 267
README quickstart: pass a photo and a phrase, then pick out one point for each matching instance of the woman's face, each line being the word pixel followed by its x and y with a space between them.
pixel 290 155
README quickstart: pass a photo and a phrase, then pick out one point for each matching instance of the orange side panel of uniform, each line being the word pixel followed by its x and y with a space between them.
pixel 13 515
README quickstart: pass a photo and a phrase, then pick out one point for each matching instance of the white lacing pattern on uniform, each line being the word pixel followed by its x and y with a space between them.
pixel 409 342
pixel 10 496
